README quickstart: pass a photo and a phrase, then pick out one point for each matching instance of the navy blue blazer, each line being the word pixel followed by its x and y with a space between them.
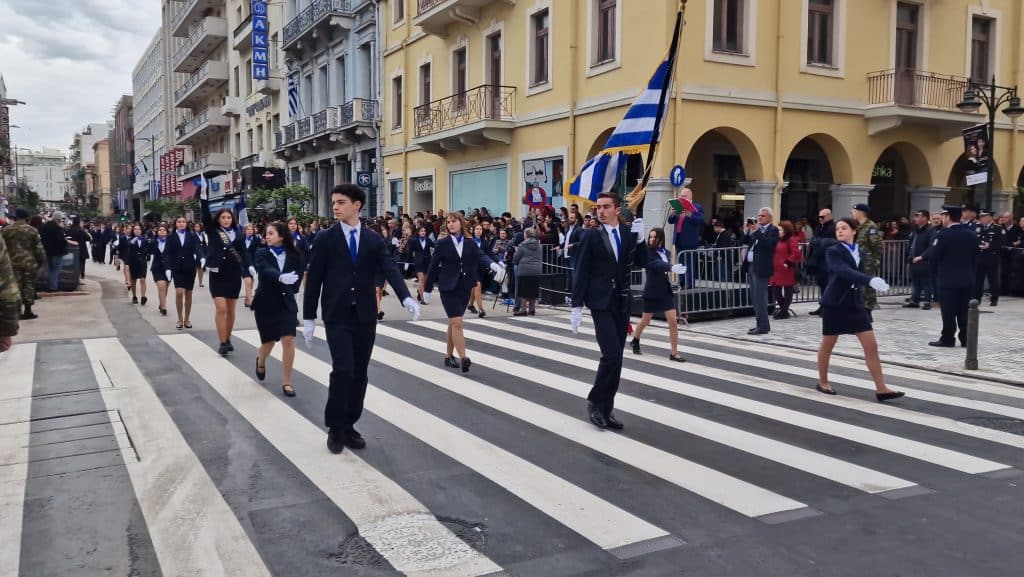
pixel 451 272
pixel 845 277
pixel 421 254
pixel 764 242
pixel 349 290
pixel 271 294
pixel 598 277
pixel 254 246
pixel 954 252
pixel 657 287
pixel 183 258
pixel 159 262
pixel 135 256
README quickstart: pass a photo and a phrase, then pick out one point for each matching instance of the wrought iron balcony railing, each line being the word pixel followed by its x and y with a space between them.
pixel 916 88
pixel 192 82
pixel 312 15
pixel 486 102
pixel 245 161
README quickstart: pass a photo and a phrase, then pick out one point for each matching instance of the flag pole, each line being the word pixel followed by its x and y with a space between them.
pixel 637 196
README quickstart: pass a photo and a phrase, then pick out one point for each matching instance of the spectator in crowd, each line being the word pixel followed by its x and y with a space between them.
pixel 920 241
pixel 784 266
pixel 760 262
pixel 688 228
pixel 82 238
pixel 55 245
pixel 527 260
pixel 25 249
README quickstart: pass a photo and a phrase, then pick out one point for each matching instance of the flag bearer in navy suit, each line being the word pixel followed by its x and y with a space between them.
pixel 604 259
pixel 347 259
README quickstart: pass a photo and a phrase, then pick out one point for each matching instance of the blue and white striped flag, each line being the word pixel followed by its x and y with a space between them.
pixel 293 96
pixel 138 171
pixel 638 132
pixel 243 213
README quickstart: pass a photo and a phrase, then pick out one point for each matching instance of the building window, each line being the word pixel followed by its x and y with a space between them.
pixel 396 102
pixel 425 83
pixel 981 41
pixel 820 30
pixel 339 75
pixel 325 88
pixel 248 78
pixel 606 31
pixel 540 23
pixel 728 26
pixel 237 82
pixel 399 11
pixel 459 80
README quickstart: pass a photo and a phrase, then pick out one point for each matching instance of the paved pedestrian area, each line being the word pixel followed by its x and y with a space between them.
pixel 903 337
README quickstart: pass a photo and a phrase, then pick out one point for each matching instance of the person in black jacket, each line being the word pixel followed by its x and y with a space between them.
pixel 185 257
pixel 760 260
pixel 160 265
pixel 80 236
pixel 137 250
pixel 279 266
pixel 422 250
pixel 990 244
pixel 843 311
pixel 253 243
pixel 228 263
pixel 604 261
pixel 954 253
pixel 55 245
pixel 483 276
pixel 658 296
pixel 920 241
pixel 824 237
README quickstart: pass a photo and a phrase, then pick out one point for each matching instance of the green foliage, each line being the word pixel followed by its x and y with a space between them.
pixel 169 208
pixel 25 197
pixel 280 203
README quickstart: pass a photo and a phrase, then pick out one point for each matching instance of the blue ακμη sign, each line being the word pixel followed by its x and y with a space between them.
pixel 260 41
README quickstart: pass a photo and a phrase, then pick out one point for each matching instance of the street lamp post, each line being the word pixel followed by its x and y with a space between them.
pixel 992 96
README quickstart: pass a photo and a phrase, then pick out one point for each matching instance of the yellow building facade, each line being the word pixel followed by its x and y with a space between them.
pixel 794 104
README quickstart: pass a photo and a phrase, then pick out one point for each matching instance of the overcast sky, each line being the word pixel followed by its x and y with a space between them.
pixel 70 60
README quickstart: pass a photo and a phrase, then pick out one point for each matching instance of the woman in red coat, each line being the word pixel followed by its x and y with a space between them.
pixel 787 257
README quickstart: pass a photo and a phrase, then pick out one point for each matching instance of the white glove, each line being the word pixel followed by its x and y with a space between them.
pixel 499 272
pixel 426 297
pixel 679 268
pixel 308 326
pixel 168 273
pixel 576 319
pixel 413 308
pixel 394 241
pixel 252 271
pixel 202 263
pixel 638 226
pixel 879 285
pixel 289 278
pixel 213 269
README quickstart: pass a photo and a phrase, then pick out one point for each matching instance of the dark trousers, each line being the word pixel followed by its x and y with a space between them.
pixel 351 344
pixel 610 327
pixel 988 270
pixel 759 300
pixel 920 286
pixel 783 296
pixel 953 302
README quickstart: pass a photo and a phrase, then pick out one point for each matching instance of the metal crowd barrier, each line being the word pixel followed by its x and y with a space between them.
pixel 716 282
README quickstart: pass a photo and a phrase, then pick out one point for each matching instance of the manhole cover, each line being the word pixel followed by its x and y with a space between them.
pixel 1007 424
pixel 413 541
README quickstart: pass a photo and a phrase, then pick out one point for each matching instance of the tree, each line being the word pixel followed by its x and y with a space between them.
pixel 280 203
pixel 24 197
pixel 172 207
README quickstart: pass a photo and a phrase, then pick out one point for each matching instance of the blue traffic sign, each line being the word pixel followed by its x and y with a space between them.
pixel 678 175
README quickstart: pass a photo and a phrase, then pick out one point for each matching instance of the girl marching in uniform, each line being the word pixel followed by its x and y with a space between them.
pixel 422 249
pixel 477 296
pixel 279 266
pixel 843 312
pixel 160 266
pixel 253 243
pixel 184 258
pixel 122 251
pixel 138 255
pixel 228 262
pixel 455 267
pixel 199 230
pixel 657 296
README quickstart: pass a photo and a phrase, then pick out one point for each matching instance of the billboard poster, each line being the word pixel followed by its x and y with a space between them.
pixel 543 179
pixel 976 149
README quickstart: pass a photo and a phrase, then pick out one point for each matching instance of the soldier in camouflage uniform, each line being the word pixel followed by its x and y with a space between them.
pixel 25 249
pixel 869 241
pixel 10 299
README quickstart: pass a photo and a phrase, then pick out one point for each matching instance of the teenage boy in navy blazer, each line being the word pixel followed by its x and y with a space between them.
pixel 347 259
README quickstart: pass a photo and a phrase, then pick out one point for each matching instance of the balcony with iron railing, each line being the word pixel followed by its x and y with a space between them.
pixel 434 16
pixel 247 161
pixel 189 14
pixel 898 97
pixel 207 164
pixel 356 118
pixel 472 118
pixel 201 126
pixel 204 38
pixel 242 33
pixel 202 84
pixel 317 17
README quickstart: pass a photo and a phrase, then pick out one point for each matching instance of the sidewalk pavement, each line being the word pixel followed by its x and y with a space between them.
pixel 903 336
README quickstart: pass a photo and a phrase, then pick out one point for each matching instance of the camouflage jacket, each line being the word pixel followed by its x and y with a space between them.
pixel 24 246
pixel 10 297
pixel 869 241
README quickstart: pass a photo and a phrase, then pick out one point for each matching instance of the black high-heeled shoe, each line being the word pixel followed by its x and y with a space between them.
pixel 677 358
pixel 881 397
pixel 451 362
pixel 471 309
pixel 261 372
pixel 636 347
pixel 466 363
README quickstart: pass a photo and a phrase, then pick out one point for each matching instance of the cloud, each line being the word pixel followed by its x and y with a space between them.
pixel 70 60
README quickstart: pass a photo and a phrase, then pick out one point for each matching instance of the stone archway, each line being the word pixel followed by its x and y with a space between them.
pixel 899 168
pixel 718 162
pixel 629 174
pixel 810 176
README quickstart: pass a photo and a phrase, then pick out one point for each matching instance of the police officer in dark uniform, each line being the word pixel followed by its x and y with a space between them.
pixel 969 213
pixel 955 252
pixel 990 244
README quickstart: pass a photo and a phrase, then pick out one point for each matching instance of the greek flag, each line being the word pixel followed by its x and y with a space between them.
pixel 637 133
pixel 137 171
pixel 293 95
pixel 243 213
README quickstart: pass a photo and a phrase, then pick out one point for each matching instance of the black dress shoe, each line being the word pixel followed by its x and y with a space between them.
pixel 888 396
pixel 481 314
pixel 465 364
pixel 223 350
pixel 135 300
pixel 335 441
pixel 261 372
pixel 29 316
pixel 144 301
pixel 231 347
pixel 597 416
pixel 941 344
pixel 757 332
pixel 822 389
pixel 451 362
pixel 380 315
pixel 677 358
pixel 613 423
pixel 926 307
pixel 353 440
pixel 910 305
pixel 636 346
pixel 471 309
pixel 163 312
pixel 815 312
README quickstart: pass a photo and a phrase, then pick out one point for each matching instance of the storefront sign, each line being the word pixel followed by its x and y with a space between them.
pixel 260 41
pixel 169 163
pixel 882 172
pixel 424 184
pixel 258 106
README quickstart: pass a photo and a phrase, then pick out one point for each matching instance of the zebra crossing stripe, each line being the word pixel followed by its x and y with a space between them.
pixel 836 470
pixel 740 496
pixel 399 527
pixel 878 409
pixel 922 451
pixel 170 482
pixel 17 366
pixel 595 519
pixel 920 394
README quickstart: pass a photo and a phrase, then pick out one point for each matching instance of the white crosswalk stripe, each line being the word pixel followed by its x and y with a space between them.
pixel 17 367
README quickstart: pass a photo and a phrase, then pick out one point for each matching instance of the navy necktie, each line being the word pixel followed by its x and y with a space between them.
pixel 618 242
pixel 352 248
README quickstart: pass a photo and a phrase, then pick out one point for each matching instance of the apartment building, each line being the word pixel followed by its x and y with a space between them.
pixel 122 155
pixel 81 170
pixel 152 116
pixel 199 65
pixel 329 49
pixel 795 104
pixel 42 171
pixel 101 184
